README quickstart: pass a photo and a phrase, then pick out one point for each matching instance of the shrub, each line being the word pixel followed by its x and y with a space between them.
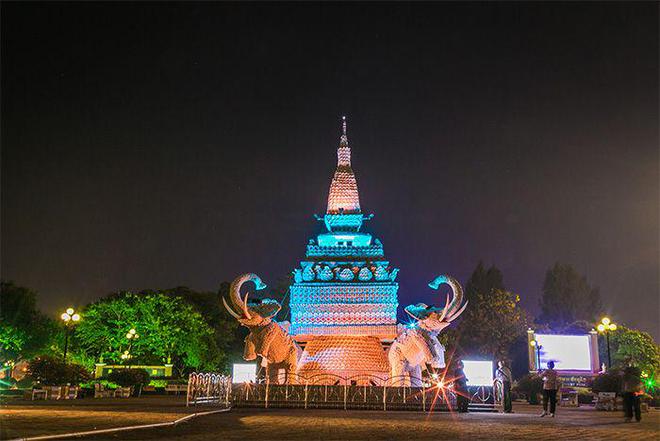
pixel 609 381
pixel 129 377
pixel 105 383
pixel 158 383
pixel 585 398
pixel 530 385
pixel 52 371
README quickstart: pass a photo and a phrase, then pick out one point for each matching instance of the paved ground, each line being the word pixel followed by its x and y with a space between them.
pixel 19 418
pixel 287 424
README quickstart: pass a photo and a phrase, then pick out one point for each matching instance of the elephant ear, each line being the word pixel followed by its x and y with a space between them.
pixel 420 311
pixel 266 308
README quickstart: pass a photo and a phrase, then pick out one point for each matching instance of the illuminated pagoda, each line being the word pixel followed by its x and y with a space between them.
pixel 344 295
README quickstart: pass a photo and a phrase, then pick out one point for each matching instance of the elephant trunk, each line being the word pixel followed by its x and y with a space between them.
pixel 238 306
pixel 455 307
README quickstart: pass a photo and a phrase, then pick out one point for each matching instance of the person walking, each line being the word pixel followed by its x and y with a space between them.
pixel 504 377
pixel 460 387
pixel 632 390
pixel 550 386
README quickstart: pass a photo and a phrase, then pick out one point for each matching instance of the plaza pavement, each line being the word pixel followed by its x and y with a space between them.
pixel 39 418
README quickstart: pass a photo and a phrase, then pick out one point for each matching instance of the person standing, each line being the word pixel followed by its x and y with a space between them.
pixel 460 387
pixel 504 377
pixel 550 386
pixel 632 389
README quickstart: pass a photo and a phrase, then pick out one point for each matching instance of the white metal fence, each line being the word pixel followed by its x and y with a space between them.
pixel 332 392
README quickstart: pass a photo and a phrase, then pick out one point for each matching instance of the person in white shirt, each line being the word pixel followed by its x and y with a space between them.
pixel 550 386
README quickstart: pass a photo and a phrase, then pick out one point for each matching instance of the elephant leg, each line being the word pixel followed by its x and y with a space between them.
pixel 415 373
pixel 273 370
pixel 292 368
pixel 397 363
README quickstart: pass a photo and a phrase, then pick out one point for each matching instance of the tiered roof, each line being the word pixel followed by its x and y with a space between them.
pixel 344 286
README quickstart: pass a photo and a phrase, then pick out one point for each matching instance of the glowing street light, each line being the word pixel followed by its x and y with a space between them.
pixel 131 336
pixel 605 327
pixel 68 317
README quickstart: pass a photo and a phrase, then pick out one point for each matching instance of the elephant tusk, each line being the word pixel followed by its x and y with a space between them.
pixel 231 311
pixel 459 312
pixel 235 300
pixel 444 310
pixel 245 307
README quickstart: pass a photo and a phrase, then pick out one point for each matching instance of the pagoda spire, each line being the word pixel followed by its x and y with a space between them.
pixel 344 151
pixel 343 197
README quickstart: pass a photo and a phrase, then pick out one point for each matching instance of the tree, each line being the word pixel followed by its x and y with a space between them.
pixel 630 345
pixel 209 305
pixel 568 297
pixel 49 370
pixel 24 331
pixel 168 329
pixel 483 281
pixel 494 319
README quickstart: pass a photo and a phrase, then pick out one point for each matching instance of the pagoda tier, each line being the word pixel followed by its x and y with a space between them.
pixel 344 286
pixel 357 360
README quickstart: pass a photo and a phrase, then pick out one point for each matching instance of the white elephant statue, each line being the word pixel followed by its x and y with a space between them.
pixel 418 345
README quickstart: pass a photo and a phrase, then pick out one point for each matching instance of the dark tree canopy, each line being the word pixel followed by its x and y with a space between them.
pixel 24 331
pixel 568 297
pixel 493 320
pixel 483 281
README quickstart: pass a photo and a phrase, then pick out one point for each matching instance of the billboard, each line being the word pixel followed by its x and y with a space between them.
pixel 478 373
pixel 569 352
pixel 244 373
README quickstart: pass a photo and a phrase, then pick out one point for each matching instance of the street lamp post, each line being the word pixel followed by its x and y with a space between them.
pixel 535 344
pixel 131 335
pixel 605 327
pixel 69 316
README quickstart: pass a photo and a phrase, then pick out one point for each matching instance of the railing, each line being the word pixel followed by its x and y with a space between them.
pixel 332 392
pixel 336 392
pixel 208 388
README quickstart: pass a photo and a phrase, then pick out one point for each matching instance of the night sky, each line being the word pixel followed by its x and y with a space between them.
pixel 155 145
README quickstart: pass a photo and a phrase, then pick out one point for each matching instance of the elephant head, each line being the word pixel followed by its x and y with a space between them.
pixel 266 338
pixel 434 319
pixel 419 345
pixel 253 314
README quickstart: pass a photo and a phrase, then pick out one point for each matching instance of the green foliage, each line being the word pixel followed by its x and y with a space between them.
pixel 530 385
pixel 12 341
pixel 493 320
pixel 89 384
pixel 129 377
pixel 609 381
pixel 53 371
pixel 632 346
pixel 158 383
pixel 568 297
pixel 24 331
pixel 209 305
pixel 169 329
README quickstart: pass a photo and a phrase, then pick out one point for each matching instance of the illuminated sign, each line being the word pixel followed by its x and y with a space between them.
pixel 478 373
pixel 569 352
pixel 243 373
